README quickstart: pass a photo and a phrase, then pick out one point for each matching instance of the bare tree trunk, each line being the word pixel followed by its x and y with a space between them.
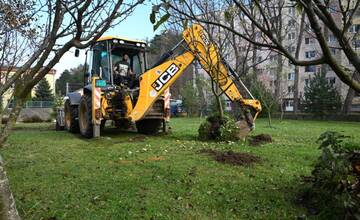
pixel 282 111
pixel 297 68
pixel 279 70
pixel 350 95
pixel 8 207
pixel 269 118
pixel 348 101
pixel 218 99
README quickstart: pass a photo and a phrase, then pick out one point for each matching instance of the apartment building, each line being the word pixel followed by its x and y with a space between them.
pixel 310 49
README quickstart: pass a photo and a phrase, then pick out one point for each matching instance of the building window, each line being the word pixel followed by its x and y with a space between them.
pixel 333 51
pixel 311 68
pixel 310 54
pixel 291 23
pixel 356 44
pixel 290 89
pixel 289 105
pixel 331 80
pixel 332 9
pixel 292 10
pixel 291 49
pixel 351 29
pixel 332 38
pixel 291 76
pixel 309 40
pixel 355 28
pixel 291 36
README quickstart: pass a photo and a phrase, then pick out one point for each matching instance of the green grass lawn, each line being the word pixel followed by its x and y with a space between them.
pixel 127 176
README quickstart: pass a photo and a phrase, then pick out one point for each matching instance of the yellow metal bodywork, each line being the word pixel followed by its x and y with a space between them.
pixel 154 82
pixel 104 38
pixel 128 106
pixel 96 119
pixel 148 94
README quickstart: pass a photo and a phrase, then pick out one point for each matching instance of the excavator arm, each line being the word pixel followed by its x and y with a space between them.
pixel 156 80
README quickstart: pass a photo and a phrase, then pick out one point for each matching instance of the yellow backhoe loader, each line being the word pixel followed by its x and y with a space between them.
pixel 118 86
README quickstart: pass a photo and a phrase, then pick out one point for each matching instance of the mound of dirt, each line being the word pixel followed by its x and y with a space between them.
pixel 260 139
pixel 233 158
pixel 138 138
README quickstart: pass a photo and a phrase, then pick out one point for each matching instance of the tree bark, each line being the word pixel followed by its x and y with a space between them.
pixel 350 95
pixel 279 68
pixel 8 207
pixel 297 68
pixel 269 119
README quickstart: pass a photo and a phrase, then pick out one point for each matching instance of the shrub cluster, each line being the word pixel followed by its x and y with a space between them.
pixel 219 128
pixel 335 180
pixel 33 119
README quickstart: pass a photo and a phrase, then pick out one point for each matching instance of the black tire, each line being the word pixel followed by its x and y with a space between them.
pixel 58 127
pixel 102 125
pixel 71 117
pixel 149 126
pixel 85 118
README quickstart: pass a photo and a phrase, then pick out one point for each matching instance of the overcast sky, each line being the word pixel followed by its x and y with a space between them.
pixel 137 27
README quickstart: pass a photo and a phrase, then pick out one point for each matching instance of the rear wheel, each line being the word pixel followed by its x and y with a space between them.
pixel 149 126
pixel 85 118
pixel 71 115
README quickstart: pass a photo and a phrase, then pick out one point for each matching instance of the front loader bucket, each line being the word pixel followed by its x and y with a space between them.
pixel 244 129
pixel 245 125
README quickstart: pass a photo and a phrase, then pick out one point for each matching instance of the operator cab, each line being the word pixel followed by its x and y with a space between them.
pixel 118 61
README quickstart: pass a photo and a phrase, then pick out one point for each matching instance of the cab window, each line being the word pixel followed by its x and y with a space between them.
pixel 101 61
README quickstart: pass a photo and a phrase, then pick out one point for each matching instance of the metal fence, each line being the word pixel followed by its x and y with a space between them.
pixel 39 104
pixel 36 104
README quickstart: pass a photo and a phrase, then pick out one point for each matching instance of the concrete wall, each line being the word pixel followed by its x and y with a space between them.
pixel 43 113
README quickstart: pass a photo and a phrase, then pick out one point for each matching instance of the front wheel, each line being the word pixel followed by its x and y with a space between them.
pixel 71 116
pixel 85 118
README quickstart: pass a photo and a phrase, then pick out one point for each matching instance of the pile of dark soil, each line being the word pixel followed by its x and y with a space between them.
pixel 260 139
pixel 233 158
pixel 138 138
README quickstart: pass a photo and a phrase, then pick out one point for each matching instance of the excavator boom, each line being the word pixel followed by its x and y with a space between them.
pixel 156 80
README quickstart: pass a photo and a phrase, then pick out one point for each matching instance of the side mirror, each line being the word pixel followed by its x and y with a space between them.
pixel 77 52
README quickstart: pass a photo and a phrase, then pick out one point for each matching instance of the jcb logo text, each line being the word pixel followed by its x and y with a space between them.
pixel 165 77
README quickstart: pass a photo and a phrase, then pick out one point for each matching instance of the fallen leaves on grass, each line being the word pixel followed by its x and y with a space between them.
pixel 149 159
